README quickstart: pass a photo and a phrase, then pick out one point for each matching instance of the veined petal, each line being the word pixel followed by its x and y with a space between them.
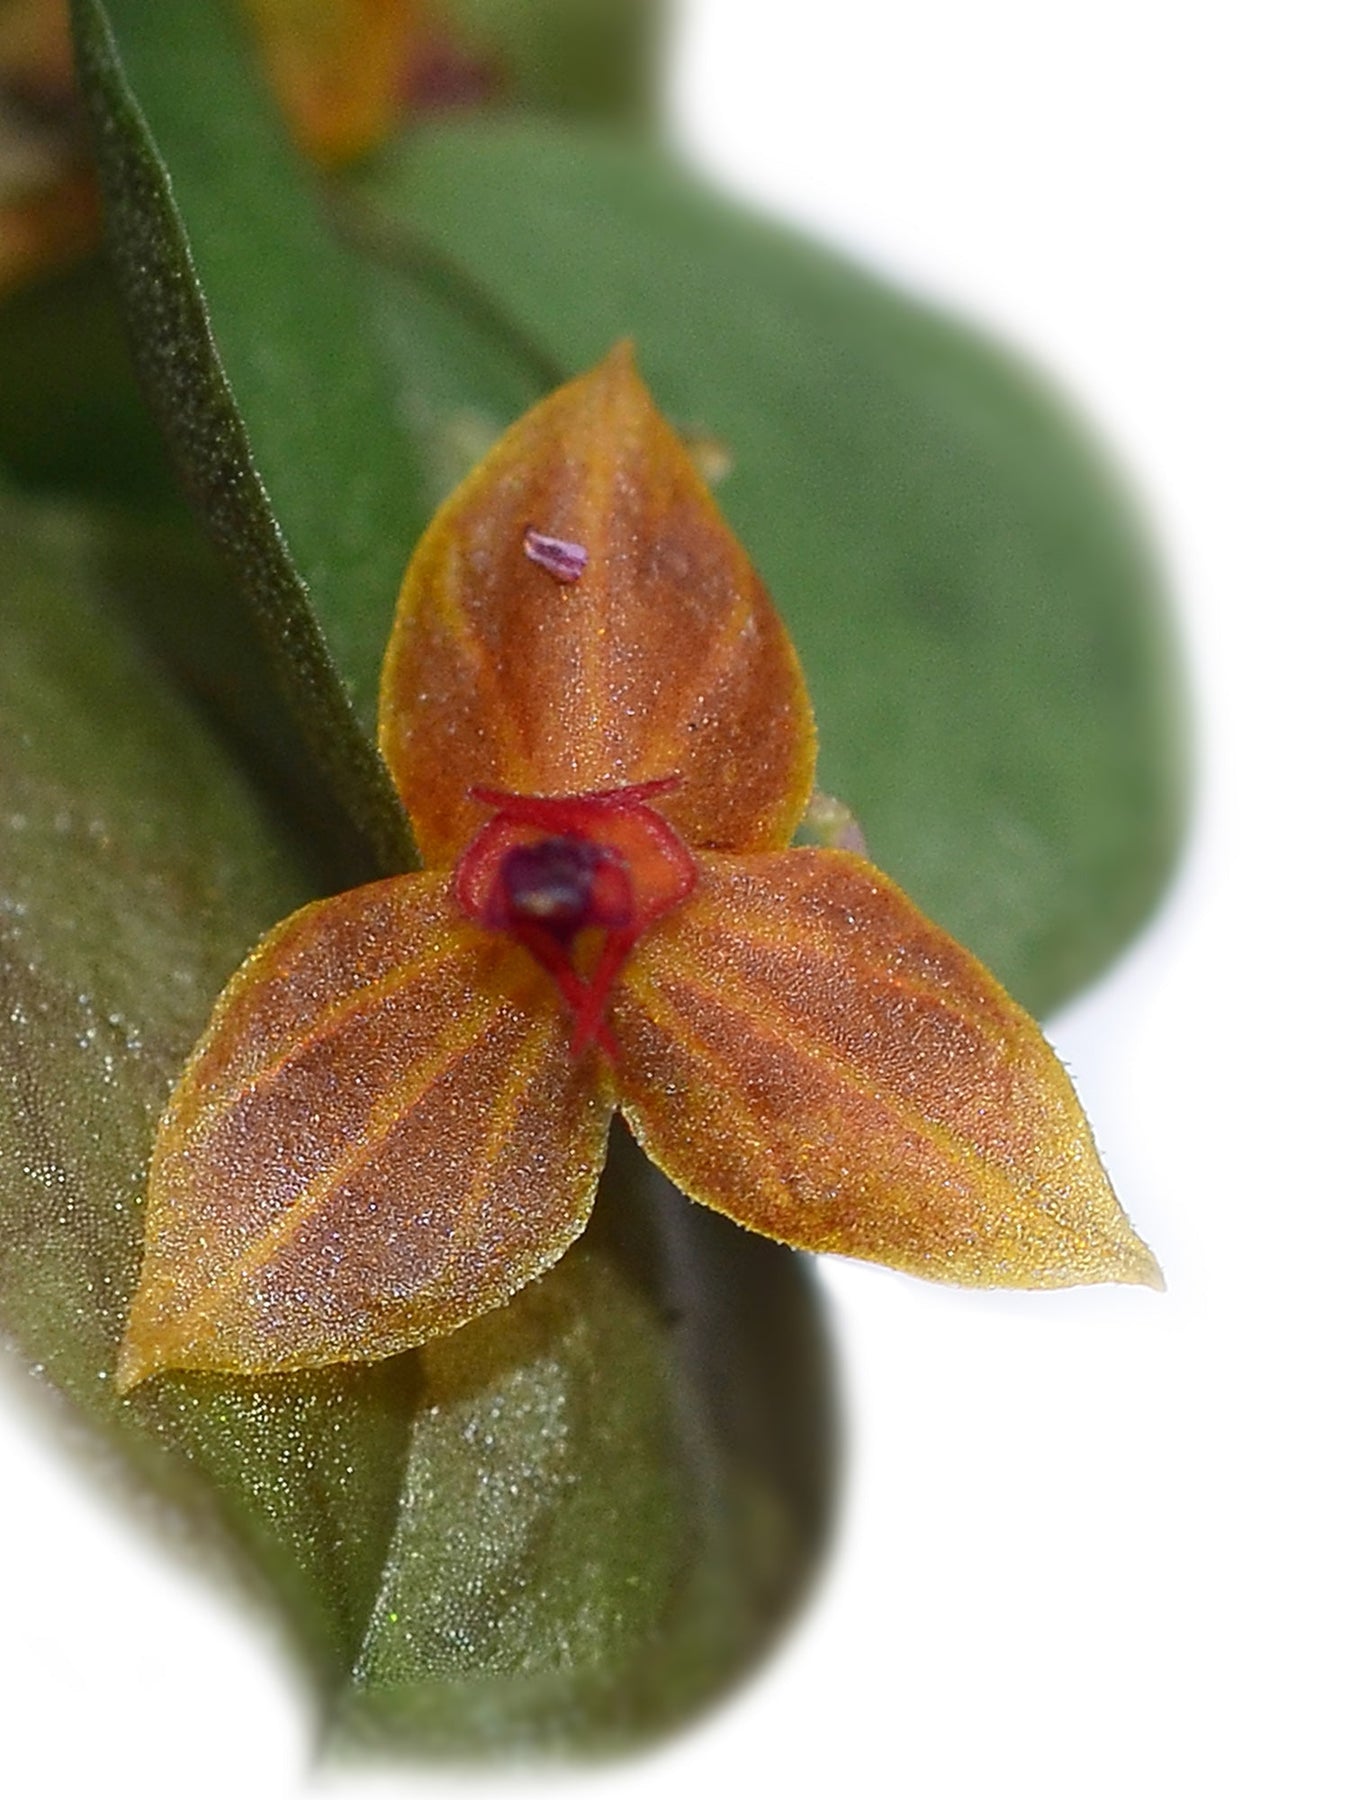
pixel 802 1049
pixel 663 656
pixel 380 1135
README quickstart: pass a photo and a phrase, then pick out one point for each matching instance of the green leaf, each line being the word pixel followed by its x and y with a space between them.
pixel 137 869
pixel 577 58
pixel 150 565
pixel 622 1480
pixel 73 420
pixel 256 350
pixel 607 1498
pixel 967 584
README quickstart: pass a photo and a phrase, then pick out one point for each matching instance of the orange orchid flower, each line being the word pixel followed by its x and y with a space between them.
pixel 344 72
pixel 398 1114
pixel 340 68
pixel 48 196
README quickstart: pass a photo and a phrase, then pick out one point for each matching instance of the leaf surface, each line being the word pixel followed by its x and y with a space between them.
pixel 73 420
pixel 255 349
pixel 579 58
pixel 621 1479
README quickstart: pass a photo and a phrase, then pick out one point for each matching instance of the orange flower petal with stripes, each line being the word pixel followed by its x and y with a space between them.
pixel 397 1115
pixel 382 1134
pixel 645 648
pixel 803 1050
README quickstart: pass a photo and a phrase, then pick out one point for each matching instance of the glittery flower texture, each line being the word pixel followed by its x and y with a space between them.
pixel 398 1113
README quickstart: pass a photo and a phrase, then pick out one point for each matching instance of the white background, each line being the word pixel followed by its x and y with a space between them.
pixel 1092 1543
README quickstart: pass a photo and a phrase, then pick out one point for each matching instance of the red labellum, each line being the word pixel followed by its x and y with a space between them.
pixel 576 879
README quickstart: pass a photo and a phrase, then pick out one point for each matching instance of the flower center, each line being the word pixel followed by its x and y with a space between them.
pixel 576 879
pixel 563 884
